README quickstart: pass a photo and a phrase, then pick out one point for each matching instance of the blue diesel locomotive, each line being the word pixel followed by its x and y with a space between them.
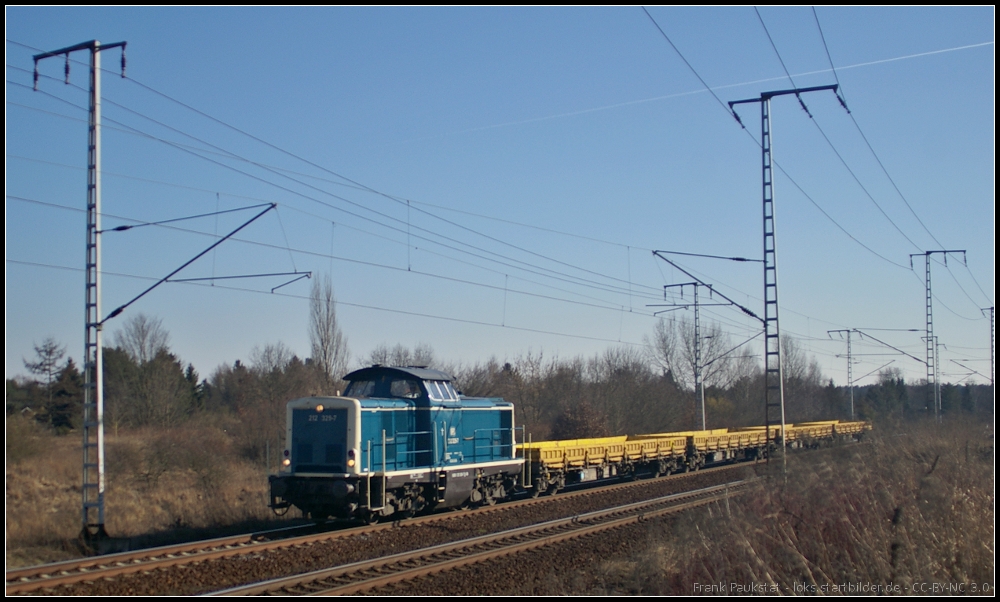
pixel 399 441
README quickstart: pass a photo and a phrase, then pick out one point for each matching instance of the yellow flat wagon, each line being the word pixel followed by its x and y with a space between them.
pixel 551 465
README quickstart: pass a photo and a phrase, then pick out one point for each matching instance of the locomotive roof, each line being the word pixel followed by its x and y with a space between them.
pixel 419 372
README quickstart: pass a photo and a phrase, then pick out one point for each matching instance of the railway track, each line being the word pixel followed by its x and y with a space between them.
pixel 368 576
pixel 49 576
pixel 52 578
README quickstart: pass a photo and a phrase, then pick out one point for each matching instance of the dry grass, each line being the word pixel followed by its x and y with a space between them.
pixel 908 512
pixel 162 486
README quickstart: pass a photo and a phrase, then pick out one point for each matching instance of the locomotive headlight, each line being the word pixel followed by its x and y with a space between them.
pixel 350 457
pixel 286 462
pixel 319 409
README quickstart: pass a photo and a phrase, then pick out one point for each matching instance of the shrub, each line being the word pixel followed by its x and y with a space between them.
pixel 908 508
pixel 25 438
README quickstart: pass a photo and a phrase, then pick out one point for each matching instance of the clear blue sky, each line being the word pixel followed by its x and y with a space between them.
pixel 520 163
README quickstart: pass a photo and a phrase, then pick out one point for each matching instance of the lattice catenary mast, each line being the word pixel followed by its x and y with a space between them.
pixel 774 391
pixel 93 365
pixel 933 386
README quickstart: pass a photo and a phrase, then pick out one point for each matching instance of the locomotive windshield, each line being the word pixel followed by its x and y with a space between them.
pixel 441 390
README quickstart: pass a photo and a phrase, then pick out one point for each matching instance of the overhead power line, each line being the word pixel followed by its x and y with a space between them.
pixel 619 290
pixel 360 187
pixel 777 165
pixel 226 153
pixel 535 268
pixel 827 138
pixel 864 137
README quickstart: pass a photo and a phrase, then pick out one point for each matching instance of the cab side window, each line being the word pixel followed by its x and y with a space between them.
pixel 360 388
pixel 407 388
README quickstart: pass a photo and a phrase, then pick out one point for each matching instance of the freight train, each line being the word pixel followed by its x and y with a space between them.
pixel 402 440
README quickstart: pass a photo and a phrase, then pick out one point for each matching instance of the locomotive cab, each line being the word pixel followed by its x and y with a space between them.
pixel 400 440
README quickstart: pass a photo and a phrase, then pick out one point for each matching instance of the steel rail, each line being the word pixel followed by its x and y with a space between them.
pixel 39 577
pixel 74 571
pixel 371 574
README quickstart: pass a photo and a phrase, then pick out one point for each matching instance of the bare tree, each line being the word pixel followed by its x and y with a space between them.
pixel 329 346
pixel 276 376
pixel 274 357
pixel 802 381
pixel 144 382
pixel 663 348
pixel 745 389
pixel 621 387
pixel 142 338
pixel 421 355
pixel 162 397
pixel 672 350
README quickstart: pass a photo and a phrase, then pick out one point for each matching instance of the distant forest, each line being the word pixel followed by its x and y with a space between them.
pixel 618 392
pixel 624 390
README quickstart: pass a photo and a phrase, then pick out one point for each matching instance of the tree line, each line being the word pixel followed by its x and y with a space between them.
pixel 624 390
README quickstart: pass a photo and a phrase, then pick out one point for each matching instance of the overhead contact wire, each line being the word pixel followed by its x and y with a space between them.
pixel 344 259
pixel 345 178
pixel 580 281
pixel 347 304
